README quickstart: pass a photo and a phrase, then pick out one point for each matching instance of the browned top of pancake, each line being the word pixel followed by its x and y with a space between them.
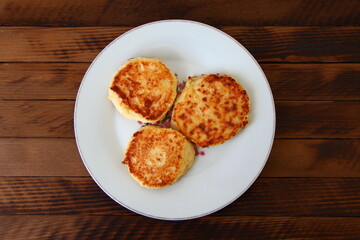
pixel 154 156
pixel 146 86
pixel 211 109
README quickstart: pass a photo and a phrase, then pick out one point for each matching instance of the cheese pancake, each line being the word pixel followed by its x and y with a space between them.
pixel 143 89
pixel 157 157
pixel 211 109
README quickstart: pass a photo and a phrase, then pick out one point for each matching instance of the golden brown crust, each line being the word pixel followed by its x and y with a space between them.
pixel 211 109
pixel 157 157
pixel 145 87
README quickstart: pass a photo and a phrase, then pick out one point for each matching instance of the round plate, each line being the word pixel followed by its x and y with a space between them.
pixel 226 171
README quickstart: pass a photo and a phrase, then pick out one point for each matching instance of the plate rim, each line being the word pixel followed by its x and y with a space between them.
pixel 225 204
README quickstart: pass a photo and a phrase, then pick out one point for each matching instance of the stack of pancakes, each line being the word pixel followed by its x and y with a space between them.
pixel 210 110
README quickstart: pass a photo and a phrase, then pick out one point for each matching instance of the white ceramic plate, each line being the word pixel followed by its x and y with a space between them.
pixel 216 179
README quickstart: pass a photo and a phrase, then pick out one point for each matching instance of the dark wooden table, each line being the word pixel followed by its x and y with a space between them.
pixel 310 52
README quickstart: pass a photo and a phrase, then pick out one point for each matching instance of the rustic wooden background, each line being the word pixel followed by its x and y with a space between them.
pixel 310 52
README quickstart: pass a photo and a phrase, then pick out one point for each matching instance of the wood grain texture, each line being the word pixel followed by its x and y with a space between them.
pixel 314 158
pixel 314 81
pixel 289 158
pixel 41 80
pixel 122 12
pixel 326 119
pixel 36 118
pixel 323 119
pixel 300 44
pixel 138 227
pixel 267 196
pixel 288 81
pixel 40 157
pixel 267 44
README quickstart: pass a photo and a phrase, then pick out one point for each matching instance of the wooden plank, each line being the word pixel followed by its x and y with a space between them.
pixel 34 44
pixel 41 80
pixel 289 158
pixel 36 118
pixel 267 44
pixel 318 119
pixel 268 196
pixel 314 81
pixel 314 158
pixel 324 119
pixel 288 81
pixel 122 12
pixel 300 44
pixel 136 227
pixel 40 157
